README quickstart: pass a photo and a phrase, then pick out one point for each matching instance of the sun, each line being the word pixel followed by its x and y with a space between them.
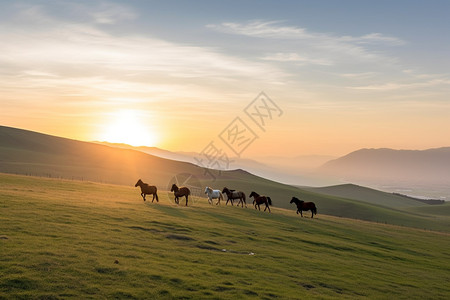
pixel 129 127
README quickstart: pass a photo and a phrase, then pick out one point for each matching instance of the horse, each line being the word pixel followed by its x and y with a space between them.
pixel 213 194
pixel 180 192
pixel 304 206
pixel 257 200
pixel 147 190
pixel 232 194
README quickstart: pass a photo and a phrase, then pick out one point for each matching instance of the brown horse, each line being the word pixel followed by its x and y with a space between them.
pixel 304 206
pixel 232 194
pixel 180 192
pixel 147 190
pixel 258 200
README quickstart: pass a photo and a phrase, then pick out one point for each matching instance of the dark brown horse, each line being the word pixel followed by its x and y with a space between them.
pixel 232 194
pixel 147 190
pixel 180 192
pixel 258 200
pixel 304 206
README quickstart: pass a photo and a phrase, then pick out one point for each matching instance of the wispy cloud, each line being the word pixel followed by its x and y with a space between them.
pixel 329 46
pixel 391 86
pixel 275 30
pixel 296 58
pixel 41 50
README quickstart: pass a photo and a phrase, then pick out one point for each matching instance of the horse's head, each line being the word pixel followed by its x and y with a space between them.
pixel 225 190
pixel 296 200
pixel 139 182
pixel 174 188
pixel 253 194
pixel 207 189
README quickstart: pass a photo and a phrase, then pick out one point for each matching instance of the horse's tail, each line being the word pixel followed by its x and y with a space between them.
pixel 270 200
pixel 243 198
pixel 314 210
pixel 156 194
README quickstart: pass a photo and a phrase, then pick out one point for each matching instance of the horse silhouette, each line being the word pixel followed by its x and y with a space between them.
pixel 232 194
pixel 180 192
pixel 304 206
pixel 147 190
pixel 258 200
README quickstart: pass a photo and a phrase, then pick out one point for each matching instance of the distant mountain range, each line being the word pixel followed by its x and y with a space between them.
pixel 431 166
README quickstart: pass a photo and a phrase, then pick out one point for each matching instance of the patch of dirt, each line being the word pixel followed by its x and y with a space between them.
pixel 307 285
pixel 179 237
pixel 145 229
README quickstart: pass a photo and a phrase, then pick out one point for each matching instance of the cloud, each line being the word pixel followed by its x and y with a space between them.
pixel 262 29
pixel 40 50
pixel 295 57
pixel 275 30
pixel 112 13
pixel 330 47
pixel 391 86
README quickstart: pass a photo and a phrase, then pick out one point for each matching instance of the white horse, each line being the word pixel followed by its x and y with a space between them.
pixel 213 194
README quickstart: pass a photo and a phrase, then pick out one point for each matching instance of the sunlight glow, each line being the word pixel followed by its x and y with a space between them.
pixel 129 127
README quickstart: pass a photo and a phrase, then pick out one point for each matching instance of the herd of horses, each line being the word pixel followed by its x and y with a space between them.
pixel 180 192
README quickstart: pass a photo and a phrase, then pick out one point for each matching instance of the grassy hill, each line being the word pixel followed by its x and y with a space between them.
pixel 26 152
pixel 63 239
pixel 360 193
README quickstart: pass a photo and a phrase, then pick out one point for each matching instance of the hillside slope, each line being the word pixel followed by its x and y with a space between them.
pixel 83 240
pixel 364 194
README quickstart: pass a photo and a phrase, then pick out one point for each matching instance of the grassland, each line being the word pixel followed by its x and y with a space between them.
pixel 79 240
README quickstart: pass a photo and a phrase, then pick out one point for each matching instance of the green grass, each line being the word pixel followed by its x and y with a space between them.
pixel 60 240
pixel 368 195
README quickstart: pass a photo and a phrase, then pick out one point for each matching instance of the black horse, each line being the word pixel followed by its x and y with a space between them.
pixel 304 206
pixel 258 200
pixel 147 190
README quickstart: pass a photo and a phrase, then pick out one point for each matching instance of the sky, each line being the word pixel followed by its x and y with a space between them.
pixel 246 78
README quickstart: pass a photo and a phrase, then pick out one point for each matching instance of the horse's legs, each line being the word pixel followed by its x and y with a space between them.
pixel 267 206
pixel 143 196
pixel 312 214
pixel 301 213
pixel 187 199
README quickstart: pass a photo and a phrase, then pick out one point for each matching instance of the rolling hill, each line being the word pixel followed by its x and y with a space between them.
pixel 368 195
pixel 31 153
